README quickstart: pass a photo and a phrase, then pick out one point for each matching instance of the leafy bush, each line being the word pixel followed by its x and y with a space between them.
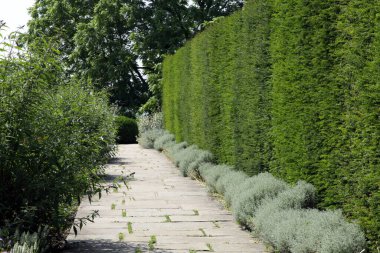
pixel 253 192
pixel 56 135
pixel 164 141
pixel 127 130
pixel 310 230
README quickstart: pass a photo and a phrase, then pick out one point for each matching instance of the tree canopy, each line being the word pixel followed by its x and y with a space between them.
pixel 117 44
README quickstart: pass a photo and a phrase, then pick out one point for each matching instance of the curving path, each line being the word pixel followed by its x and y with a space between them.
pixel 160 211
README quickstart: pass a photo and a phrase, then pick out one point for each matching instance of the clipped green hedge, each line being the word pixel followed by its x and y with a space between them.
pixel 127 130
pixel 292 88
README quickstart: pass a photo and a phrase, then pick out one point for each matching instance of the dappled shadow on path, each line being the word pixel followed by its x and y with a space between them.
pixel 100 246
pixel 118 161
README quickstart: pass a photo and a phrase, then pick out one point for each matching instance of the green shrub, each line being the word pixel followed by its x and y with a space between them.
pixel 127 130
pixel 148 137
pixel 164 141
pixel 302 231
pixel 56 135
pixel 253 192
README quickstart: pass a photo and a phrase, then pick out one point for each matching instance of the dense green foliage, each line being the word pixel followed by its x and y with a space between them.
pixel 280 214
pixel 127 130
pixel 289 87
pixel 55 137
pixel 228 69
pixel 113 43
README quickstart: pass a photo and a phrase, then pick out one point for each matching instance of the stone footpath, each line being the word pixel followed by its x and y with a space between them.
pixel 159 211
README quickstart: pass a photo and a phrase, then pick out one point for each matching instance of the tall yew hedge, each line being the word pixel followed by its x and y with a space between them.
pixel 291 87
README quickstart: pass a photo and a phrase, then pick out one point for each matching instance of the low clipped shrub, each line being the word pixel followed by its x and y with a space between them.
pixel 174 149
pixel 303 195
pixel 253 192
pixel 310 230
pixel 211 173
pixel 147 138
pixel 127 130
pixel 189 159
pixel 164 141
pixel 232 185
pixel 229 180
pixel 183 154
pixel 202 157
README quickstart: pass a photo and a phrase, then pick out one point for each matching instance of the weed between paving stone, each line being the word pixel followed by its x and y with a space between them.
pixel 121 236
pixel 152 242
pixel 209 247
pixel 113 206
pixel 123 213
pixel 192 251
pixel 167 218
pixel 216 224
pixel 130 230
pixel 203 231
pixel 138 250
pixel 196 212
pixel 123 202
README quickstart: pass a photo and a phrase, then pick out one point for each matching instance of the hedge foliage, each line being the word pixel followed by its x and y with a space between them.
pixel 290 87
pixel 127 130
pixel 279 213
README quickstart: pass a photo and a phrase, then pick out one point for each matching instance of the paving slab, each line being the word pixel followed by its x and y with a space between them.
pixel 158 203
